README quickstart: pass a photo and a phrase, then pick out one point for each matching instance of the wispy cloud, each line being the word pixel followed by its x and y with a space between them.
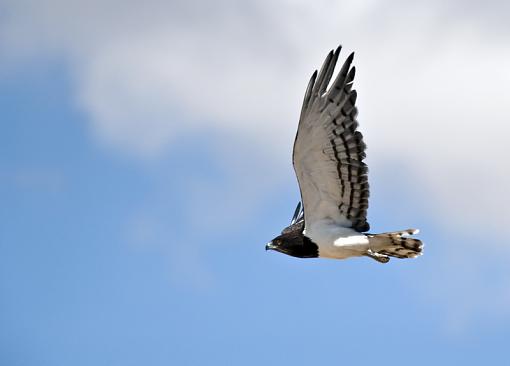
pixel 31 178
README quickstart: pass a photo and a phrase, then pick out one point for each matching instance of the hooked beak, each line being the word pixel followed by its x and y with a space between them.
pixel 270 246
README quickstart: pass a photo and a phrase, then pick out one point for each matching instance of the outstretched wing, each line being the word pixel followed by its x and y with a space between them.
pixel 329 151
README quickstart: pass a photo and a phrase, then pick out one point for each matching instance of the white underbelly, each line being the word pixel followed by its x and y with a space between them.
pixel 336 241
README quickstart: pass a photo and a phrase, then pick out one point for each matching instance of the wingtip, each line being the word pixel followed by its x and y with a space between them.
pixel 351 75
pixel 313 78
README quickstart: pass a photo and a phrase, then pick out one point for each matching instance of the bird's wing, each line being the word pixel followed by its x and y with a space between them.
pixel 298 214
pixel 329 151
pixel 298 226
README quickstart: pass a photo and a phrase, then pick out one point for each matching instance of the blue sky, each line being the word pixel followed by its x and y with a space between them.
pixel 140 184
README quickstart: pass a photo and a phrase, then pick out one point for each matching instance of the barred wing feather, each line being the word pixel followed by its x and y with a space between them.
pixel 329 151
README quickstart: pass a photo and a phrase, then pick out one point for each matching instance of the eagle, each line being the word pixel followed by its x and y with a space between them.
pixel 330 221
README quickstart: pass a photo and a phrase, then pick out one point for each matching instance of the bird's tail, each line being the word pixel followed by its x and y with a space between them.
pixel 396 244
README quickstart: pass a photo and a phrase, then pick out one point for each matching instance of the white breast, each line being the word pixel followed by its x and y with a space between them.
pixel 336 241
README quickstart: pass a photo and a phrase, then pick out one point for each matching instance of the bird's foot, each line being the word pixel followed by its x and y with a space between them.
pixel 381 258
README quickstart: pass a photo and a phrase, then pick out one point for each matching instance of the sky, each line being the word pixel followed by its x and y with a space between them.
pixel 145 161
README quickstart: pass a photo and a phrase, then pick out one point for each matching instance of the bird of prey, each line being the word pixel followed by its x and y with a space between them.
pixel 330 221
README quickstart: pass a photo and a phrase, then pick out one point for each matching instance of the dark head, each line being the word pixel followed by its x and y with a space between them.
pixel 295 244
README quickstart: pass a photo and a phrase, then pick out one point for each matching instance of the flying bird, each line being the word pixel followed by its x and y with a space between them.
pixel 330 221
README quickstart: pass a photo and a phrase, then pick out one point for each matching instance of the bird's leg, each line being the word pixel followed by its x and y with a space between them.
pixel 381 258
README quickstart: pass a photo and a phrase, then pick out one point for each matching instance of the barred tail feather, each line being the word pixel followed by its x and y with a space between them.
pixel 396 244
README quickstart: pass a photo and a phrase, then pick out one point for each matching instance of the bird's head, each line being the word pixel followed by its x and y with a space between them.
pixel 279 244
pixel 294 244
